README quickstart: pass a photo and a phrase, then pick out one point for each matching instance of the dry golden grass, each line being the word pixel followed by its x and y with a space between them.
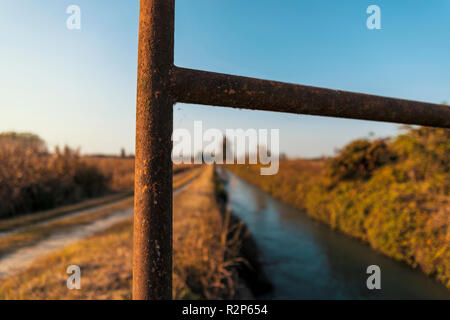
pixel 105 261
pixel 121 170
pixel 33 179
pixel 203 257
pixel 31 234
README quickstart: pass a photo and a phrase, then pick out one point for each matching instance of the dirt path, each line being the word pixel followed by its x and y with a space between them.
pixel 78 213
pixel 23 257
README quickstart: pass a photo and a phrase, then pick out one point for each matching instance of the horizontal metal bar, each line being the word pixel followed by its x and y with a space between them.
pixel 209 88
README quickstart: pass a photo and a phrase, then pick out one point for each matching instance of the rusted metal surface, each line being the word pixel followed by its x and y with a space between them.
pixel 152 254
pixel 160 84
pixel 208 88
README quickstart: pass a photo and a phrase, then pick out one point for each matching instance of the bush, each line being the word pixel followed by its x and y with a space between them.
pixel 359 159
pixel 33 179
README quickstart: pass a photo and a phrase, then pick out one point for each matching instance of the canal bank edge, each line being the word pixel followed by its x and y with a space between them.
pixel 254 281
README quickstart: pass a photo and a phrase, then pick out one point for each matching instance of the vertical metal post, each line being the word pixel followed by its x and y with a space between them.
pixel 152 253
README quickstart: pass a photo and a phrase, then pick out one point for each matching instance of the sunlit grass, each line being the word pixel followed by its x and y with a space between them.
pixel 203 257
pixel 393 194
pixel 31 234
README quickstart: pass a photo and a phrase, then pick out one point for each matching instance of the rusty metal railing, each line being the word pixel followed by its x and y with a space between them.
pixel 161 84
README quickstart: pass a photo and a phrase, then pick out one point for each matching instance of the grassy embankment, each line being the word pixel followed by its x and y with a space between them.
pixel 251 269
pixel 204 257
pixel 393 194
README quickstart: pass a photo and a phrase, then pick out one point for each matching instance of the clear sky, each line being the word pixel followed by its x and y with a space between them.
pixel 78 87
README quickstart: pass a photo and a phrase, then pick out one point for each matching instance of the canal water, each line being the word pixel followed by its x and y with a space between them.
pixel 306 260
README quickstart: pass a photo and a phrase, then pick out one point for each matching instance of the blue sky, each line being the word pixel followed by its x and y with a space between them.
pixel 79 87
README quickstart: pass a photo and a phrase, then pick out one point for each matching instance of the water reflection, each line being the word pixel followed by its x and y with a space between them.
pixel 307 260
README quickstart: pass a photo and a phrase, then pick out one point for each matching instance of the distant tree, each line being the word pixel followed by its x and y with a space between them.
pixel 123 153
pixel 25 140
